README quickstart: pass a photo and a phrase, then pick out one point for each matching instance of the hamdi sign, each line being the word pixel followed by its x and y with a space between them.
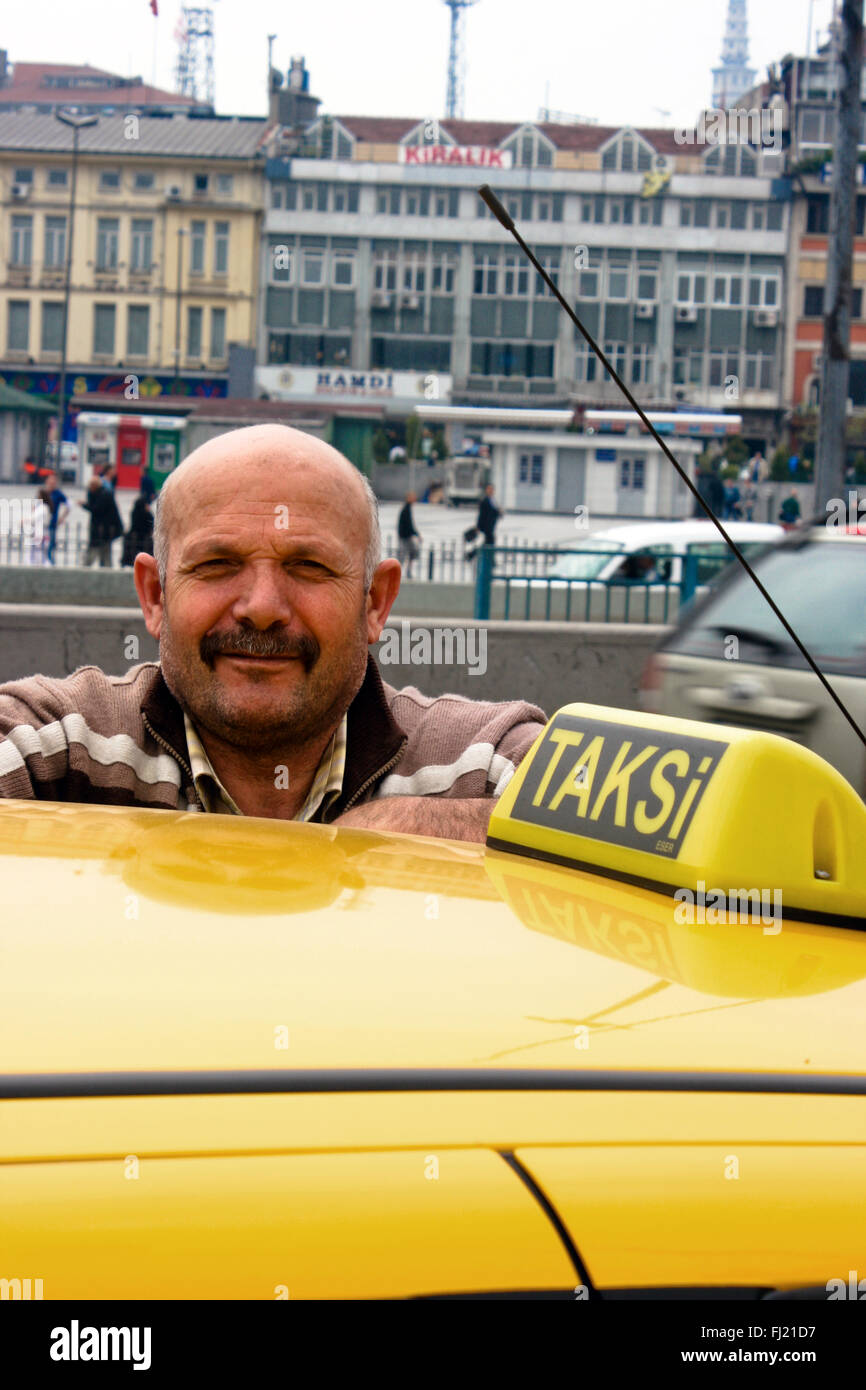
pixel 478 156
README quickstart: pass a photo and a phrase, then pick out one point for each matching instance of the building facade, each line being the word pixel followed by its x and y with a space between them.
pixel 163 275
pixel 379 255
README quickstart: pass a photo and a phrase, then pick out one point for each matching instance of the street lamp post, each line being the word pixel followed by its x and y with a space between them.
pixel 77 123
pixel 181 233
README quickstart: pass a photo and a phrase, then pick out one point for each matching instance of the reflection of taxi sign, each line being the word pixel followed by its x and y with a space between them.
pixel 668 803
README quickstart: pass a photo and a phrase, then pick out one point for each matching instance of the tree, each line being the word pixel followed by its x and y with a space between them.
pixel 381 446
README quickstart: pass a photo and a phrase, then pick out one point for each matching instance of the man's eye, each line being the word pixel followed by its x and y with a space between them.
pixel 212 564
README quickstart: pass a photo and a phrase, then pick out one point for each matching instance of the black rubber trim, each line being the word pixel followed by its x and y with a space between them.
pixel 793 914
pixel 62 1085
pixel 554 1218
pixel 662 1293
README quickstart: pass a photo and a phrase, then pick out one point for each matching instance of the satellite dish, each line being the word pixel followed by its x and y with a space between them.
pixel 277 78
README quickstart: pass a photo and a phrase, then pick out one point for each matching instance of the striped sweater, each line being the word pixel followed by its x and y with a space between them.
pixel 120 741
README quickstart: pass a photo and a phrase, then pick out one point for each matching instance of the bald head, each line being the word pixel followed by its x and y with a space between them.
pixel 287 457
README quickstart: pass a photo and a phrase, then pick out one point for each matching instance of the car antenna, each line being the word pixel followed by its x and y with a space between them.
pixel 502 216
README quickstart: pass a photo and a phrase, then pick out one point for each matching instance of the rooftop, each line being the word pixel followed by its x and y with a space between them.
pixel 173 133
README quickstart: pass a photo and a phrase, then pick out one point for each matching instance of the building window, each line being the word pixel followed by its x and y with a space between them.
pixel 55 243
pixel 52 326
pixel 621 210
pixel 628 155
pixel 343 268
pixel 813 302
pixel 588 284
pixel 818 213
pixel 443 274
pixel 531 469
pixel 385 270
pixel 18 326
pixel 142 244
pixel 137 330
pixel 691 288
pixel 221 248
pixel 22 176
pixel 21 250
pixel 107 236
pixel 857 303
pixel 194 316
pixel 631 473
pixel 642 364
pixel 585 363
pixel 104 319
pixel 727 290
pixel 413 272
pixel 143 181
pixel 486 281
pixel 550 261
pixel 312 267
pixel 759 371
pixel 515 276
pixel 650 212
pixel 618 286
pixel 217 334
pixel 109 180
pixel 616 355
pixel 200 183
pixel 763 292
pixel 647 284
pixel 58 178
pixel 198 233
pixel 723 365
pixel 225 185
pixel 281 263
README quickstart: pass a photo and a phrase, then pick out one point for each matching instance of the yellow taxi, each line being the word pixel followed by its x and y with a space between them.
pixel 617 1052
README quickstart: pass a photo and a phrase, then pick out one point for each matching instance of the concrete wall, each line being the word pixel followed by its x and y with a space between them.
pixel 549 664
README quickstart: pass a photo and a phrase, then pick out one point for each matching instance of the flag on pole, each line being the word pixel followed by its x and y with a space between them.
pixel 153 7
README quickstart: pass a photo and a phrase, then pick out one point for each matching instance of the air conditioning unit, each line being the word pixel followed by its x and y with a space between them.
pixel 409 301
pixel 686 313
pixel 174 191
pixel 380 299
pixel 21 190
pixel 766 318
pixel 644 309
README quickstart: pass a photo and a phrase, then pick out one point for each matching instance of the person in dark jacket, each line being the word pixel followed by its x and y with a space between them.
pixel 105 523
pixel 408 539
pixel 488 515
pixel 139 537
pixel 712 489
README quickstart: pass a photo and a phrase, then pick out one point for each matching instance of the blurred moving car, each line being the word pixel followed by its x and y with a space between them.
pixel 255 1059
pixel 730 661
pixel 630 573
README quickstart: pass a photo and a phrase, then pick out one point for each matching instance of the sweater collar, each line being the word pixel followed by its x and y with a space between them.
pixel 374 738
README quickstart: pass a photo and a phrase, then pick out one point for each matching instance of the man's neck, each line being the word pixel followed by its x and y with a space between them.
pixel 273 784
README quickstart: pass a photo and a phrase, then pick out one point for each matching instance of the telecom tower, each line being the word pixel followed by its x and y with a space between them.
pixel 195 38
pixel 456 59
pixel 734 77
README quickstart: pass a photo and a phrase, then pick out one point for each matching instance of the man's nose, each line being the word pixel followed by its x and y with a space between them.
pixel 263 598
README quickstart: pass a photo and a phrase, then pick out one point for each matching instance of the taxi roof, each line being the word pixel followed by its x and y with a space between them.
pixel 162 942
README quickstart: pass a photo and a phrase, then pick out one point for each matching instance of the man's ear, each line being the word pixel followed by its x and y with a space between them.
pixel 383 591
pixel 149 590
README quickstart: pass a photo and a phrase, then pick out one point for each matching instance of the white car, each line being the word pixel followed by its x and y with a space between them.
pixel 629 573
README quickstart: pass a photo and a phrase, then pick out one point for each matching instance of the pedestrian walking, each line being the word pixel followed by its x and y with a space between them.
pixel 408 539
pixel 139 537
pixel 105 523
pixel 39 530
pixel 58 508
pixel 488 515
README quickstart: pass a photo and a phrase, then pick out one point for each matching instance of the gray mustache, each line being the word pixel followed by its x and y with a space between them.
pixel 248 642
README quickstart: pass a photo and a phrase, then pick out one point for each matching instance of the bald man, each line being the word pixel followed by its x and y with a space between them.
pixel 265 592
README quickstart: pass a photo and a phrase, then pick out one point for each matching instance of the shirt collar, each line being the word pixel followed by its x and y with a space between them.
pixel 326 786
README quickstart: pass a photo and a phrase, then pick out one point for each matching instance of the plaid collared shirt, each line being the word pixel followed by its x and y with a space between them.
pixel 327 783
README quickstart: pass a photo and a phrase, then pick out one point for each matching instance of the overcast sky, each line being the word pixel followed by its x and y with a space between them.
pixel 611 60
